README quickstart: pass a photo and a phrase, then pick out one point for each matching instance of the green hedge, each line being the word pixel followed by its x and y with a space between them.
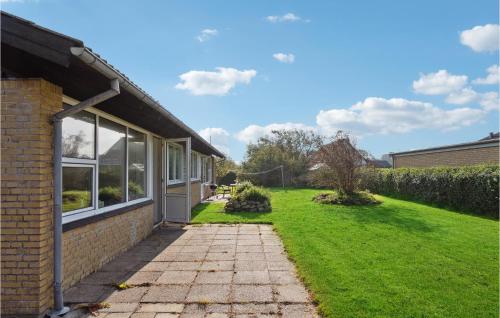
pixel 472 189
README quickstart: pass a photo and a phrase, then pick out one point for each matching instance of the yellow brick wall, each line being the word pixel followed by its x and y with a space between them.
pixel 87 248
pixel 463 157
pixel 27 190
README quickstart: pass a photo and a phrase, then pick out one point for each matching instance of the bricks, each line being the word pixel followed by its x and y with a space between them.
pixel 87 248
pixel 27 192
pixel 462 157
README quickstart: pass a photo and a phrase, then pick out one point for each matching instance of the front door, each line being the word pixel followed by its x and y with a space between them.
pixel 157 180
pixel 178 196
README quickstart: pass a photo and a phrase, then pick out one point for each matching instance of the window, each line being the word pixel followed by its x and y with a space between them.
pixel 77 187
pixel 136 164
pixel 175 163
pixel 79 136
pixel 206 170
pixel 112 160
pixel 101 167
pixel 195 166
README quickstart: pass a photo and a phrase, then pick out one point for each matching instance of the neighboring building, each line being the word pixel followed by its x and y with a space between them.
pixel 483 151
pixel 125 164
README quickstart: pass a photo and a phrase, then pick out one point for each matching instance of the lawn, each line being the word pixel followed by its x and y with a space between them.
pixel 397 259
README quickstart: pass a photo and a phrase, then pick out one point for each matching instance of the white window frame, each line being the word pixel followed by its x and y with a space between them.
pixel 83 165
pixel 94 163
pixel 208 174
pixel 196 164
pixel 180 148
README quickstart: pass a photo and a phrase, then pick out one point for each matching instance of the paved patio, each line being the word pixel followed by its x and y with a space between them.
pixel 200 271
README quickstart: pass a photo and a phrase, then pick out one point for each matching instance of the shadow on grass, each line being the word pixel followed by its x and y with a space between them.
pixel 381 214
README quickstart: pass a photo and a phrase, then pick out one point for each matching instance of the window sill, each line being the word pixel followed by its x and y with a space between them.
pixel 77 220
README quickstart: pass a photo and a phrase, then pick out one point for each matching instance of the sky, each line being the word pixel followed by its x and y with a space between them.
pixel 397 75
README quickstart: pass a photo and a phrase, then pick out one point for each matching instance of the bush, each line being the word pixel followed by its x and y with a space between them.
pixel 255 194
pixel 243 186
pixel 227 179
pixel 471 189
pixel 356 198
pixel 249 198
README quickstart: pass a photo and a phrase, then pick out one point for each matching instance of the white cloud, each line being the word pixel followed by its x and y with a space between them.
pixel 219 137
pixel 492 77
pixel 207 34
pixel 462 96
pixel 284 58
pixel 288 17
pixel 253 132
pixel 439 83
pixel 217 83
pixel 489 101
pixel 377 115
pixel 482 38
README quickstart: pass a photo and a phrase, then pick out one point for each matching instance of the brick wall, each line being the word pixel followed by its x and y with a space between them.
pixel 27 190
pixel 463 157
pixel 87 248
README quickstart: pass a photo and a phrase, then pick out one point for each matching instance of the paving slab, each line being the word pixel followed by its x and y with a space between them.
pixel 200 271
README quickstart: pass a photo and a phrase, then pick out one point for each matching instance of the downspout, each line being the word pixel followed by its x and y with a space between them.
pixel 59 308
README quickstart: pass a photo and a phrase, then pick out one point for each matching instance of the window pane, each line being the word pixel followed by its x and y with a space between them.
pixel 179 164
pixel 77 188
pixel 78 136
pixel 111 163
pixel 136 165
pixel 171 162
pixel 194 166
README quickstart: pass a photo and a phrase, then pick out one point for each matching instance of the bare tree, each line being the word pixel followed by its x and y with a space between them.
pixel 344 161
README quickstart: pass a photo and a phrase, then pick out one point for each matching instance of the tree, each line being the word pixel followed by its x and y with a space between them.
pixel 290 148
pixel 344 160
pixel 225 171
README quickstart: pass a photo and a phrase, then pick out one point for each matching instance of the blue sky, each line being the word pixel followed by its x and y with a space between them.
pixel 399 75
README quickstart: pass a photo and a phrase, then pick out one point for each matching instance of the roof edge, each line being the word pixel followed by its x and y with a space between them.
pixel 483 143
pixel 103 67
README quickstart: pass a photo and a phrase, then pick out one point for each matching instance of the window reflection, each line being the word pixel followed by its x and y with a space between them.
pixel 78 136
pixel 136 164
pixel 111 163
pixel 77 188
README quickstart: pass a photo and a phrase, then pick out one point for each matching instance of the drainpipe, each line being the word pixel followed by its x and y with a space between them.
pixel 59 308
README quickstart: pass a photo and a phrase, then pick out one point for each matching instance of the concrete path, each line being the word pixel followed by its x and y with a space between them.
pixel 200 271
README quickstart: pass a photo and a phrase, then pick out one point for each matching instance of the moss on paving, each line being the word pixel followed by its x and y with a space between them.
pixel 396 259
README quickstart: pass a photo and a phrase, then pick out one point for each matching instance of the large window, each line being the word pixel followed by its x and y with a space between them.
pixel 175 163
pixel 195 166
pixel 101 167
pixel 136 164
pixel 112 162
pixel 206 170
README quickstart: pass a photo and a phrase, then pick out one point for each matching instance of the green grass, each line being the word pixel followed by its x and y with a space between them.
pixel 396 259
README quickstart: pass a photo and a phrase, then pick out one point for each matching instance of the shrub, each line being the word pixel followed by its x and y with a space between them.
pixel 251 198
pixel 338 197
pixel 255 194
pixel 471 189
pixel 243 186
pixel 227 179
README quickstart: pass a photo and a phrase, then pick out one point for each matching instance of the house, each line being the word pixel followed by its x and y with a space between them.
pixel 483 151
pixel 90 165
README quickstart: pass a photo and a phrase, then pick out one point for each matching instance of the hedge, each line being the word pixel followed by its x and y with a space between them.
pixel 471 189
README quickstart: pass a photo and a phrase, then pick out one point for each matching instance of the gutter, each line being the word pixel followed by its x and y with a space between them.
pixel 59 308
pixel 100 65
